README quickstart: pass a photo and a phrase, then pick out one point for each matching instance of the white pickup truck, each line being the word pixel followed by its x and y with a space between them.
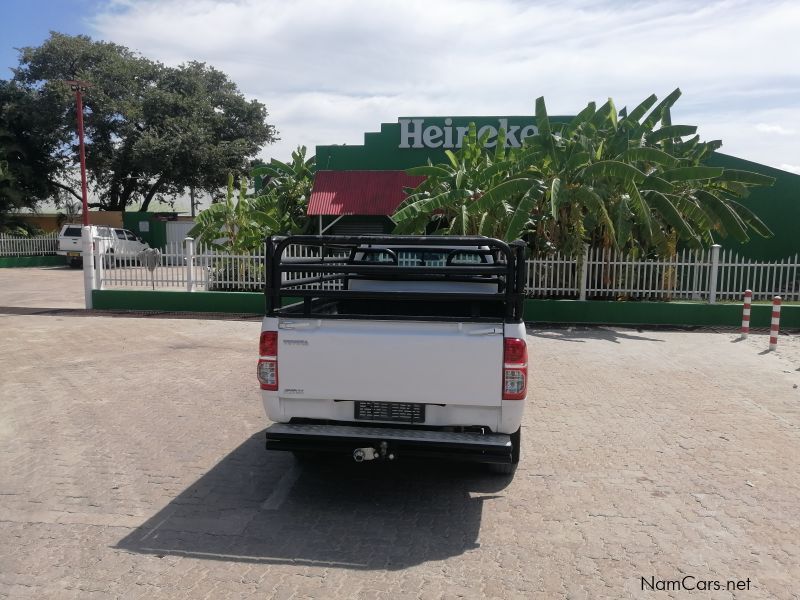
pixel 395 346
pixel 119 244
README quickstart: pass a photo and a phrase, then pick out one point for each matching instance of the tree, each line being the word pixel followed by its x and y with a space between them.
pixel 152 131
pixel 609 178
pixel 30 146
pixel 286 189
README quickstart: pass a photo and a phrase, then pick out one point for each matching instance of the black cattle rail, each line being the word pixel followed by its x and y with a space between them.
pixel 506 271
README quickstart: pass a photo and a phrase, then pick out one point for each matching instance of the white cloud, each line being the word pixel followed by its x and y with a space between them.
pixel 773 128
pixel 329 71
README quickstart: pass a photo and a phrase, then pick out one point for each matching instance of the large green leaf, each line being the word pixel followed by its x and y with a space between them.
pixel 582 117
pixel 430 204
pixel 637 113
pixel 692 173
pixel 671 216
pixel 746 177
pixel 623 222
pixel 640 208
pixel 606 114
pixel 655 115
pixel 268 220
pixel 577 160
pixel 654 182
pixel 542 120
pixel 522 213
pixel 499 193
pixel 614 168
pixel 734 188
pixel 728 220
pixel 671 131
pixel 452 158
pixel 595 206
pixel 652 155
pixel 428 171
pixel 500 145
pixel 749 217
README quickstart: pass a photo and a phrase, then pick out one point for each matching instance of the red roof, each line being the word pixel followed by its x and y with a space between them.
pixel 359 192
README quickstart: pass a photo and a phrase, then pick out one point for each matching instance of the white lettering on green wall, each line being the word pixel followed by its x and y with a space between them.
pixel 415 134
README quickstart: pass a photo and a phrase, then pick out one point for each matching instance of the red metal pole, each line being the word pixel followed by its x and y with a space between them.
pixel 84 191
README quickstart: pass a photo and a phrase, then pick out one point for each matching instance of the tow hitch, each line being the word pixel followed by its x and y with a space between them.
pixel 369 453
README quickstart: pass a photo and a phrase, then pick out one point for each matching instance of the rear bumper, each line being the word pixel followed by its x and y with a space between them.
pixel 343 439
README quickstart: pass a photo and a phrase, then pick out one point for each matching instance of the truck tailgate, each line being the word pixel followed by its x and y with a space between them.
pixel 410 361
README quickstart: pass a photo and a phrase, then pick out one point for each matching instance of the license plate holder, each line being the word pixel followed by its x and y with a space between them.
pixel 73 253
pixel 399 412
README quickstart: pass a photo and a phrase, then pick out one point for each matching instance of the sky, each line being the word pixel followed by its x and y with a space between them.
pixel 330 70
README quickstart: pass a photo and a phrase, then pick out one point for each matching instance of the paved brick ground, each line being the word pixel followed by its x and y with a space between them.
pixel 45 287
pixel 132 465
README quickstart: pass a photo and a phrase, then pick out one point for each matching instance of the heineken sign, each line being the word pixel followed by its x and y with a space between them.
pixel 417 133
pixel 416 140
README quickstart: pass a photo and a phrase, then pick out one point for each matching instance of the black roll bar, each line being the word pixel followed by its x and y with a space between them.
pixel 508 274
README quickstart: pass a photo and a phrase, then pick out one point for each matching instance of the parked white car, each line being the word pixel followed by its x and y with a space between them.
pixel 399 347
pixel 118 244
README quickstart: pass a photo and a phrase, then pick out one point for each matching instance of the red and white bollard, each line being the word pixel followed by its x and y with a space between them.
pixel 748 300
pixel 776 320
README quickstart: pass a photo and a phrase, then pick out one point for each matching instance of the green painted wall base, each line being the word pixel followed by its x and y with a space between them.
pixel 655 313
pixel 536 311
pixel 215 302
pixel 10 262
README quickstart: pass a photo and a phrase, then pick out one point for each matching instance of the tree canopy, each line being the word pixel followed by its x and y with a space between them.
pixel 31 147
pixel 633 181
pixel 151 130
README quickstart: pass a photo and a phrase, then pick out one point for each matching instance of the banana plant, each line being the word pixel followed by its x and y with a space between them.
pixel 632 181
pixel 236 225
pixel 471 194
pixel 286 189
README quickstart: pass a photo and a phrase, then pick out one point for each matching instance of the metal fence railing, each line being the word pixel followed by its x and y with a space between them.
pixel 40 245
pixel 599 273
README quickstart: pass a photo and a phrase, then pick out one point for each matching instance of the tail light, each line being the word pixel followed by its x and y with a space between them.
pixel 267 370
pixel 515 369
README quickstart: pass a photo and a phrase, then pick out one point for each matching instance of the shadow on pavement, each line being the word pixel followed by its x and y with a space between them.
pixel 581 334
pixel 265 507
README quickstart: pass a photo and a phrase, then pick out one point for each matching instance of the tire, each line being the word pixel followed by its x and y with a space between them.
pixel 75 263
pixel 109 261
pixel 509 468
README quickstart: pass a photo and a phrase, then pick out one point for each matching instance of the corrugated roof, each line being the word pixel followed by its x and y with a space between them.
pixel 359 192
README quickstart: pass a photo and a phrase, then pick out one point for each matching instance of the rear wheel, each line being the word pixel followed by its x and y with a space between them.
pixel 509 468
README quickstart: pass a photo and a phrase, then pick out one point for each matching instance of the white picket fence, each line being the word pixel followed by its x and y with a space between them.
pixel 40 245
pixel 708 275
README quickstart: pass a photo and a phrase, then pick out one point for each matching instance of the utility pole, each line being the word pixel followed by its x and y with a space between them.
pixel 79 87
